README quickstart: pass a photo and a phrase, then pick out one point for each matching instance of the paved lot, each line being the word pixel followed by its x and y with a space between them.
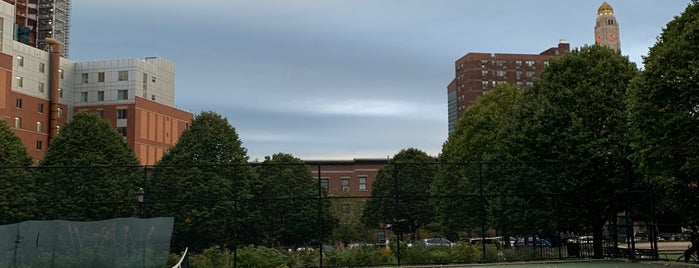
pixel 664 246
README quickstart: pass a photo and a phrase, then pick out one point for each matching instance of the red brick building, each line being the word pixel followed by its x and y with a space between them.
pixel 476 73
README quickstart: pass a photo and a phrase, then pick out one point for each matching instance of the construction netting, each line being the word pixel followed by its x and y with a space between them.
pixel 120 242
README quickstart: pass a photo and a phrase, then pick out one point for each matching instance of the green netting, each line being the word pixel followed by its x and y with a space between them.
pixel 121 242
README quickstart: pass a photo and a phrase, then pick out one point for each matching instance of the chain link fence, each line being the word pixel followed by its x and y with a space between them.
pixel 502 211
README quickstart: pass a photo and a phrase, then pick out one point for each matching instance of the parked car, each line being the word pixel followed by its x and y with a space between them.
pixel 437 242
pixel 533 242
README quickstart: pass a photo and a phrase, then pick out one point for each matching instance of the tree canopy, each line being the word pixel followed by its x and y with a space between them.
pixel 89 172
pixel 664 108
pixel 288 207
pixel 400 193
pixel 14 178
pixel 203 181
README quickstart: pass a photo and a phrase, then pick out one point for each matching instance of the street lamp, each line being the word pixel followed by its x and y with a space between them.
pixel 140 194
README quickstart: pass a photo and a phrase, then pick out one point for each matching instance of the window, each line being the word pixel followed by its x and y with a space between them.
pixel 60 92
pixel 485 83
pixel 41 87
pixel 123 75
pixel 20 61
pixel 518 75
pixel 39 127
pixel 100 77
pixel 153 79
pixel 518 63
pixel 39 145
pixel 18 103
pixel 145 78
pixel 121 113
pixel 519 84
pixel 346 208
pixel 362 183
pixel 546 63
pixel 500 73
pixel 100 113
pixel 530 73
pixel 58 129
pixel 152 97
pixel 500 62
pixel 59 113
pixel 60 73
pixel 100 95
pixel 122 131
pixel 42 67
pixel 40 108
pixel 530 63
pixel 20 81
pixel 83 96
pixel 345 184
pixel 483 62
pixel 484 72
pixel 325 183
pixel 18 122
pixel 123 94
pixel 84 78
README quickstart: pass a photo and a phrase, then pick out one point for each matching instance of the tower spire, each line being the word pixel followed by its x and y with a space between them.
pixel 607 28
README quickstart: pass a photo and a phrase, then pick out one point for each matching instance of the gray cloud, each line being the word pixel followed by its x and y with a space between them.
pixel 339 79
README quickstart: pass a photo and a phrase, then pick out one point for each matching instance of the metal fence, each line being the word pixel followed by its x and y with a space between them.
pixel 529 209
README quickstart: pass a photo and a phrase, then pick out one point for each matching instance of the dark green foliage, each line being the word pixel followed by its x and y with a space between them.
pixel 288 204
pixel 203 181
pixel 12 151
pixel 89 173
pixel 14 178
pixel 477 137
pixel 400 192
pixel 664 108
pixel 575 115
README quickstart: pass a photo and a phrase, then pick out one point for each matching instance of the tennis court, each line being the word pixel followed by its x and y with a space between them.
pixel 593 263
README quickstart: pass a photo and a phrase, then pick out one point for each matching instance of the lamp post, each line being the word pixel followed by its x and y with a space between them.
pixel 140 195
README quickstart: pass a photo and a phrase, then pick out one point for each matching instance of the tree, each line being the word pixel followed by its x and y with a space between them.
pixel 14 178
pixel 204 181
pixel 664 108
pixel 477 139
pixel 575 115
pixel 89 172
pixel 400 194
pixel 289 206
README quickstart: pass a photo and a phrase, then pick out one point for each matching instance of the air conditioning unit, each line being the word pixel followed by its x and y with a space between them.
pixel 345 188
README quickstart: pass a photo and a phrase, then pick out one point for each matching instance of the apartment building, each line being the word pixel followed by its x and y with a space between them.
pixel 40 91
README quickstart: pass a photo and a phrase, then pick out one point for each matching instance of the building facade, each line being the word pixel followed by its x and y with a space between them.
pixel 40 91
pixel 607 28
pixel 36 20
pixel 476 73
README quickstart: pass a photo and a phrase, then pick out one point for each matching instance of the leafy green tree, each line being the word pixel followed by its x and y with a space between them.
pixel 477 139
pixel 664 108
pixel 400 194
pixel 15 197
pixel 575 114
pixel 89 172
pixel 204 181
pixel 289 206
pixel 348 211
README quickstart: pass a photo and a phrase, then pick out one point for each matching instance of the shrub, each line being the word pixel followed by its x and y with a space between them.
pixel 465 253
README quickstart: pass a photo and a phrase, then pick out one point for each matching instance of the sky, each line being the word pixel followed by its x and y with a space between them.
pixel 339 79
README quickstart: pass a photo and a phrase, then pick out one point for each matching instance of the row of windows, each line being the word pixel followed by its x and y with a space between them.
pixel 122 94
pixel 501 63
pixel 122 76
pixel 40 107
pixel 345 182
pixel 39 125
pixel 20 63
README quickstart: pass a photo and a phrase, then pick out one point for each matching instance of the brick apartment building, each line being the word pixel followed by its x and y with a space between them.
pixel 476 73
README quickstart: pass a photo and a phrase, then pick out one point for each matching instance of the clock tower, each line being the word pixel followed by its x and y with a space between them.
pixel 607 28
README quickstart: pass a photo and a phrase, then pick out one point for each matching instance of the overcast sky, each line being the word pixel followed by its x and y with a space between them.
pixel 339 79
